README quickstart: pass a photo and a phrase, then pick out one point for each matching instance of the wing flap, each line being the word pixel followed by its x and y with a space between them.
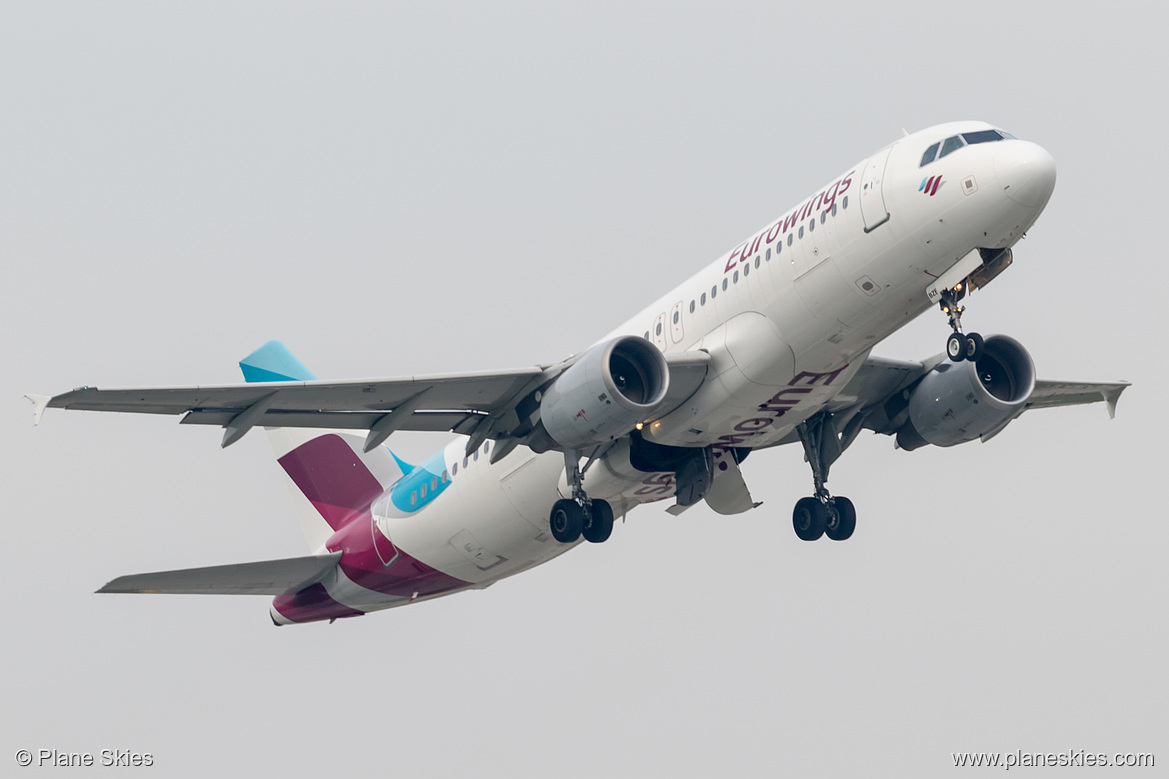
pixel 268 577
pixel 429 421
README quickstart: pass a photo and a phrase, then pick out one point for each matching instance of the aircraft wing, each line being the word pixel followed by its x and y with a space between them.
pixel 1070 393
pixel 874 393
pixel 355 404
pixel 496 405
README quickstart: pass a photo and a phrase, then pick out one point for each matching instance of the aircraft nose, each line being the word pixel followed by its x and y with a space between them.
pixel 1025 172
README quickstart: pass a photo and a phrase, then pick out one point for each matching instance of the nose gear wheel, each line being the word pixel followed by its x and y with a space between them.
pixel 959 346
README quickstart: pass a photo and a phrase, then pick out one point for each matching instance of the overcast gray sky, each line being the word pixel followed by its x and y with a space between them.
pixel 441 187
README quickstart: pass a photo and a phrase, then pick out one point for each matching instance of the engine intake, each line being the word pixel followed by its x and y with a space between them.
pixel 958 402
pixel 611 388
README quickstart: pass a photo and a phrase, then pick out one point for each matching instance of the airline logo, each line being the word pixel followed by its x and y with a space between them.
pixel 930 185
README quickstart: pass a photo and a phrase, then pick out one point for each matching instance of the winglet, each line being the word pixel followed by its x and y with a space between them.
pixel 1112 395
pixel 39 404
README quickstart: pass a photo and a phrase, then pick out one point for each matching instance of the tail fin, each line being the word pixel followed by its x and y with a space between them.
pixel 331 479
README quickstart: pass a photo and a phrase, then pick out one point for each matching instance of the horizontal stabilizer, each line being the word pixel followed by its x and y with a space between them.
pixel 269 577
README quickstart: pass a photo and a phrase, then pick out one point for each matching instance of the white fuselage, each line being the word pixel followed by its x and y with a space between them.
pixel 799 303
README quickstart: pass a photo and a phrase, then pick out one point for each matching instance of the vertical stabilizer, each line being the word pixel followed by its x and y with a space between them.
pixel 331 479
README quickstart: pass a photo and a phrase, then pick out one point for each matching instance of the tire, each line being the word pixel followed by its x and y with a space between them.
pixel 845 523
pixel 566 521
pixel 975 346
pixel 956 347
pixel 809 519
pixel 598 523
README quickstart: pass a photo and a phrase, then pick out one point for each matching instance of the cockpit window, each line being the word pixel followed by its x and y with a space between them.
pixel 951 144
pixel 983 136
pixel 929 155
pixel 956 142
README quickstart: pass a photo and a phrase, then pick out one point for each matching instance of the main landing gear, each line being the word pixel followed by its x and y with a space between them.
pixel 580 515
pixel 822 514
pixel 959 346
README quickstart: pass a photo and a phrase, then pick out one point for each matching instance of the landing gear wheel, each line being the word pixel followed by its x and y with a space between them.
pixel 566 521
pixel 809 518
pixel 840 526
pixel 598 522
pixel 956 347
pixel 975 346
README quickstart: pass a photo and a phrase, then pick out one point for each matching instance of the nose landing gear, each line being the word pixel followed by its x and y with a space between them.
pixel 959 346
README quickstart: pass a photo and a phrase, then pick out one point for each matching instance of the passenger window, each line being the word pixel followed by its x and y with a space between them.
pixel 929 155
pixel 702 300
pixel 725 282
pixel 801 231
pixel 768 256
pixel 951 145
pixel 692 306
pixel 713 292
pixel 736 277
pixel 789 239
pixel 455 469
pixel 757 259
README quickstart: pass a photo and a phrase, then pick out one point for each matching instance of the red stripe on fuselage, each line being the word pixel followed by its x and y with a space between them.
pixel 405 575
pixel 312 604
pixel 341 487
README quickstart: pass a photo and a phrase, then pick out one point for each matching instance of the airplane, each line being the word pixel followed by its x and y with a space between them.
pixel 766 346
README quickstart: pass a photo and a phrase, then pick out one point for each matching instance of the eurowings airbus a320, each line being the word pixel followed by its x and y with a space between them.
pixel 767 345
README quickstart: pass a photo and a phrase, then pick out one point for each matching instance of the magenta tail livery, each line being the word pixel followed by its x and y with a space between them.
pixel 767 345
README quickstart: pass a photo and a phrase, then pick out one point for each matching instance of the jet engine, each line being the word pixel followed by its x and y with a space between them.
pixel 611 388
pixel 957 402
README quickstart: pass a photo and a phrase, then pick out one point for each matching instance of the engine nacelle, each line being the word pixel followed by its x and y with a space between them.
pixel 960 401
pixel 611 388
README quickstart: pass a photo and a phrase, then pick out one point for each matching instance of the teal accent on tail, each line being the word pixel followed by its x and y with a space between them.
pixel 328 456
pixel 273 362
